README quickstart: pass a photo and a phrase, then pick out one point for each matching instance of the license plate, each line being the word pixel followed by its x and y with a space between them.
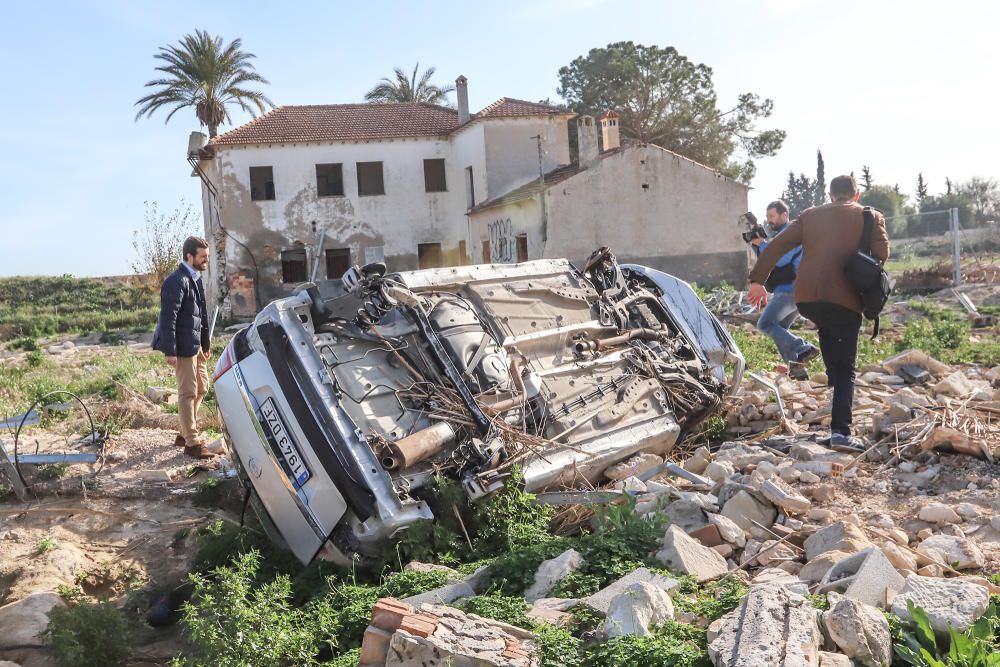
pixel 281 441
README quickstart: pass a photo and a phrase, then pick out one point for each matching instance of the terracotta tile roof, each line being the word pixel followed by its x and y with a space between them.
pixel 362 122
pixel 343 122
pixel 508 107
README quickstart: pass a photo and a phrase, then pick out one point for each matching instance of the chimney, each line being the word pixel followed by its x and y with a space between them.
pixel 462 93
pixel 609 130
pixel 586 133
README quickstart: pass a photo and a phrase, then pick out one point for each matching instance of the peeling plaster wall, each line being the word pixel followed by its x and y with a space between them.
pixel 512 152
pixel 397 221
pixel 684 222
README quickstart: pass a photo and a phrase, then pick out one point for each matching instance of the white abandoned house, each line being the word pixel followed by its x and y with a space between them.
pixel 304 192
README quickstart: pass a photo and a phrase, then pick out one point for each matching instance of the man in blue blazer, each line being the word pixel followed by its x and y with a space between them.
pixel 182 334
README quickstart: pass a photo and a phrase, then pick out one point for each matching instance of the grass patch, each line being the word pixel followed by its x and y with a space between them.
pixel 39 306
pixel 45 545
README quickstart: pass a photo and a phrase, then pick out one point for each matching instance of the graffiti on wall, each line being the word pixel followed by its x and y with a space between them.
pixel 503 243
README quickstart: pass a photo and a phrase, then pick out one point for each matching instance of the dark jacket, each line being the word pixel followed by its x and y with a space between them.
pixel 829 235
pixel 182 329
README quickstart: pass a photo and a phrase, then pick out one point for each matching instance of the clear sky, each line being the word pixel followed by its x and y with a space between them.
pixel 902 87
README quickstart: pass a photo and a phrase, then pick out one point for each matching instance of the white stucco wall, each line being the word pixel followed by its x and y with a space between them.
pixel 684 220
pixel 512 152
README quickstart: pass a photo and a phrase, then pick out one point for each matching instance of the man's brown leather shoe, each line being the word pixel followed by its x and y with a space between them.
pixel 198 452
pixel 179 441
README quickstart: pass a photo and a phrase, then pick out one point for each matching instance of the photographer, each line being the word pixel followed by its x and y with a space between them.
pixel 781 312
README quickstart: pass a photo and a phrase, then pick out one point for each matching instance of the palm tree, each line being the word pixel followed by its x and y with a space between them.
pixel 405 89
pixel 203 73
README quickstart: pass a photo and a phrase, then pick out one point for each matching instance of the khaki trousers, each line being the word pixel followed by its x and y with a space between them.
pixel 192 385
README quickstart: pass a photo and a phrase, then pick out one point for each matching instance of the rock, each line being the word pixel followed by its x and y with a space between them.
pixel 900 413
pixel 911 399
pixel 859 631
pixel 698 461
pixel 743 509
pixel 634 466
pixel 775 576
pixel 947 601
pixel 816 569
pixel 552 611
pixel 686 514
pixel 775 552
pixel 441 635
pixel 967 510
pixel 684 555
pixel 417 566
pixel 785 497
pixel 742 455
pixel 938 513
pixel 601 600
pixel 959 552
pixel 820 514
pixel 821 493
pixel 840 536
pixel 637 608
pixel 898 536
pixel 22 622
pixel 442 595
pixel 827 659
pixel 162 395
pixel 956 385
pixel 924 533
pixel 719 471
pixel 995 523
pixel 551 571
pixel 818 378
pixel 631 485
pixel 900 558
pixel 772 626
pixel 867 576
pixel 728 530
pixel 807 477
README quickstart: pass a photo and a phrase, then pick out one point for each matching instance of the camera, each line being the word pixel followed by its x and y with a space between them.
pixel 754 230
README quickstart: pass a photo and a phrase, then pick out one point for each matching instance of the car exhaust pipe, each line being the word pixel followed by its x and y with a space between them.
pixel 418 446
pixel 598 344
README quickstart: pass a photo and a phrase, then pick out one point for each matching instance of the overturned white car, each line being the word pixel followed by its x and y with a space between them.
pixel 337 410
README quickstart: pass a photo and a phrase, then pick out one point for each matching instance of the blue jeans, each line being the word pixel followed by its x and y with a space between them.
pixel 777 316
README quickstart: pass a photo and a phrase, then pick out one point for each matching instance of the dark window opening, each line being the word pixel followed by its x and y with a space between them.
pixel 261 183
pixel 434 180
pixel 428 255
pixel 293 265
pixel 338 260
pixel 330 180
pixel 470 188
pixel 522 247
pixel 370 179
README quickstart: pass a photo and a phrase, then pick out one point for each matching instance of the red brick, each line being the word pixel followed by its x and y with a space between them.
pixel 388 612
pixel 708 535
pixel 725 550
pixel 375 645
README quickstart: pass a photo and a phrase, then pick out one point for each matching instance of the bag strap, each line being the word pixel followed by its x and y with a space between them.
pixel 865 246
pixel 875 327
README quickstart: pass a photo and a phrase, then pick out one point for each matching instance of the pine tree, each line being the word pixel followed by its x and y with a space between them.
pixel 820 193
pixel 921 188
pixel 799 193
pixel 866 177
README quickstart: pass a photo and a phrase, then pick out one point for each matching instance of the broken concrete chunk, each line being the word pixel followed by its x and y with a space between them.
pixel 601 600
pixel 785 497
pixel 742 455
pixel 947 601
pixel 446 636
pixel 956 385
pixel 417 566
pixel 728 529
pixel 687 514
pixel 967 510
pixel 774 576
pixel 827 659
pixel 744 509
pixel 552 611
pixel 816 569
pixel 161 395
pixel 775 552
pixel 772 626
pixel 860 631
pixel 719 471
pixel 634 466
pixel 938 513
pixel 867 577
pixel 682 554
pixel 636 609
pixel 441 595
pixel 698 461
pixel 551 571
pixel 959 552
pixel 840 536
pixel 901 559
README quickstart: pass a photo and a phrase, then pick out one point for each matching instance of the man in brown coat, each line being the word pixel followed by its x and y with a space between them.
pixel 829 235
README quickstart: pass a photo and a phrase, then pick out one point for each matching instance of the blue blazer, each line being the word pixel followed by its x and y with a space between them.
pixel 182 328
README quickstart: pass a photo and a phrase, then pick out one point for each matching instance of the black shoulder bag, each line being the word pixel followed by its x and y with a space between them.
pixel 868 276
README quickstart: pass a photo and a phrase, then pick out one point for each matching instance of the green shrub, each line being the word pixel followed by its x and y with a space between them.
pixel 510 520
pixel 513 610
pixel 713 599
pixel 557 647
pixel 670 645
pixel 89 635
pixel 235 622
pixel 916 643
pixel 349 659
